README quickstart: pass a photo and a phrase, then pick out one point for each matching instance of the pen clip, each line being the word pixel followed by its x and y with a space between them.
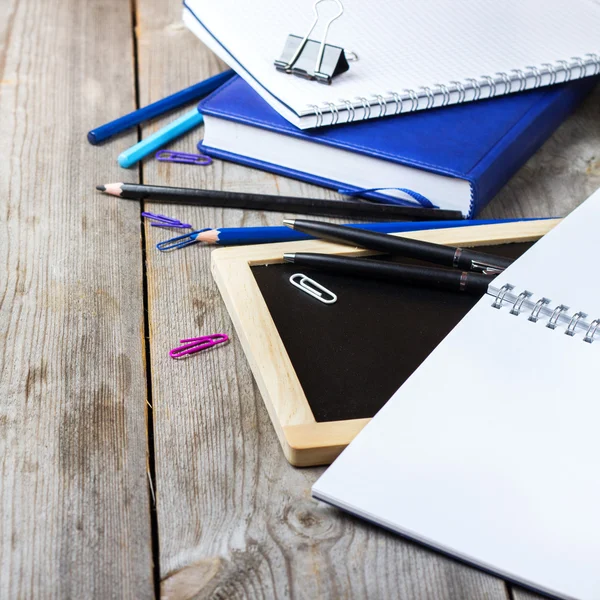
pixel 181 241
pixel 486 268
pixel 182 157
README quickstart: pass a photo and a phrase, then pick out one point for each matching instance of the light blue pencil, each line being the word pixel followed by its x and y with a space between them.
pixel 157 140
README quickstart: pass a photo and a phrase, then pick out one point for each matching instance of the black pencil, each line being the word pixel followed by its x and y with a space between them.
pixel 307 206
pixel 448 256
pixel 449 279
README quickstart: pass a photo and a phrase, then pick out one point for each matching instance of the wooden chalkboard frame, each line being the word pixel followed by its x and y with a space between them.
pixel 305 441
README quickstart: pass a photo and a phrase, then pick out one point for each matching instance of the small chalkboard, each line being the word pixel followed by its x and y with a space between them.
pixel 350 357
pixel 324 370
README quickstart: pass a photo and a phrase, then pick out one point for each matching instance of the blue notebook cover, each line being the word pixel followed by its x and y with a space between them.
pixel 482 142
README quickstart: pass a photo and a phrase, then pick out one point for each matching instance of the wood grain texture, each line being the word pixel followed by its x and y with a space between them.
pixel 235 519
pixel 521 594
pixel 561 175
pixel 74 504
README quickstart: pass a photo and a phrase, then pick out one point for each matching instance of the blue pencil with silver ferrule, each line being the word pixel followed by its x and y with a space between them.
pixel 235 236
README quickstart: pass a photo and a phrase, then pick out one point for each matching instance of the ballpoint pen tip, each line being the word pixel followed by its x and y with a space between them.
pixel 289 257
pixel 289 223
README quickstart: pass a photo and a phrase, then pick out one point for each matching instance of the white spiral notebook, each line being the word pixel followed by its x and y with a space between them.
pixel 490 452
pixel 411 55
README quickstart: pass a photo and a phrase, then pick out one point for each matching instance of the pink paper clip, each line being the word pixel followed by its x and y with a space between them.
pixel 197 344
pixel 182 157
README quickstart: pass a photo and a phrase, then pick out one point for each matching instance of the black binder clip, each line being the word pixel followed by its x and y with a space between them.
pixel 310 59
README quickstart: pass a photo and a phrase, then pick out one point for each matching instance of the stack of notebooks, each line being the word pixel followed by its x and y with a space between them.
pixel 401 121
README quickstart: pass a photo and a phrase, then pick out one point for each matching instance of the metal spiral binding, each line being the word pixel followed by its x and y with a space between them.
pixel 536 74
pixel 535 313
pixel 367 108
pixel 382 105
pixel 561 308
pixel 507 83
pixel 565 67
pixel 318 113
pixel 398 101
pixel 580 64
pixel 430 97
pixel 507 287
pixel 556 316
pixel 335 113
pixel 595 62
pixel 349 108
pixel 522 79
pixel 491 84
pixel 591 332
pixel 516 309
pixel 414 100
pixel 460 88
pixel 446 94
pixel 476 88
pixel 531 77
pixel 552 72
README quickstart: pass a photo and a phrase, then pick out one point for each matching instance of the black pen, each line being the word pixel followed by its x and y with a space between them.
pixel 448 279
pixel 459 258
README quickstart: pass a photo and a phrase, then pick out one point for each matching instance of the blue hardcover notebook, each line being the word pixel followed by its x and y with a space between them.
pixel 458 157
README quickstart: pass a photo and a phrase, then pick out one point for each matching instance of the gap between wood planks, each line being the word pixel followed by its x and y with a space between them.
pixel 147 357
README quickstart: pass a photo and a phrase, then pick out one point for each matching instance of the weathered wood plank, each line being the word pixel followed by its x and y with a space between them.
pixel 561 175
pixel 230 508
pixel 521 594
pixel 74 502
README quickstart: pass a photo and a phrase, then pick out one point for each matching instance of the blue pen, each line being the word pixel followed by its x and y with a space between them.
pixel 157 140
pixel 194 92
pixel 235 236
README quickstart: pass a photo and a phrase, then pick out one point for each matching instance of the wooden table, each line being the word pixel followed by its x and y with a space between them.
pixel 92 409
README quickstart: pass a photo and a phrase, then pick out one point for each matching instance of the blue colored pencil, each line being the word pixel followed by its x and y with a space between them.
pixel 157 140
pixel 234 236
pixel 194 92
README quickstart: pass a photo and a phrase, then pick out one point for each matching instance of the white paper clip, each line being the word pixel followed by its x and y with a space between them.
pixel 312 288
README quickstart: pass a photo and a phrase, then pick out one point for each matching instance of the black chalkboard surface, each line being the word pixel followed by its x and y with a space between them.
pixel 351 356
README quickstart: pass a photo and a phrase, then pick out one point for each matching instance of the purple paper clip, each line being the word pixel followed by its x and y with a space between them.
pixel 183 157
pixel 197 344
pixel 164 221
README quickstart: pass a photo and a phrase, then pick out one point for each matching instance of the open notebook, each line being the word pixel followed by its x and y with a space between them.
pixel 410 55
pixel 490 451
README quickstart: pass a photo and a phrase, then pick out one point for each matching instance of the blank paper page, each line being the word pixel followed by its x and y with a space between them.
pixel 490 450
pixel 401 45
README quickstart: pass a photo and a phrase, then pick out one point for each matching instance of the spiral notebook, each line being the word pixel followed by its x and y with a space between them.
pixel 489 452
pixel 457 158
pixel 411 56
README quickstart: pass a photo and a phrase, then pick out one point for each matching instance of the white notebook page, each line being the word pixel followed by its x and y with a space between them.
pixel 401 45
pixel 490 451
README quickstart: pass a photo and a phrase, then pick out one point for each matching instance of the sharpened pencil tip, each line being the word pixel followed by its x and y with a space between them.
pixel 115 189
pixel 289 223
pixel 289 257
